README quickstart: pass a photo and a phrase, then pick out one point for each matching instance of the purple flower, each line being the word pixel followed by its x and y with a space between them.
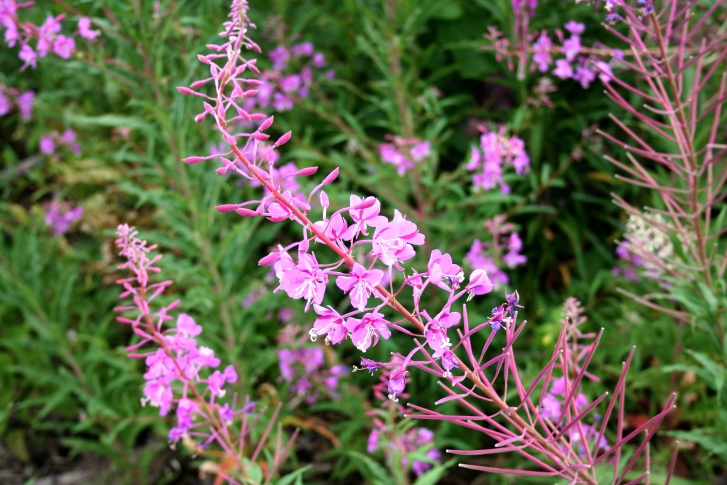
pixel 360 283
pixel 369 365
pixel 5 105
pixel 365 332
pixel 541 52
pixel 420 150
pixel 60 216
pixel 390 154
pixel 551 407
pixel 585 76
pixel 302 49
pixel 280 57
pixel 449 362
pixel 25 104
pixel 397 383
pixel 575 28
pixel 47 145
pixel 571 47
pixel 563 69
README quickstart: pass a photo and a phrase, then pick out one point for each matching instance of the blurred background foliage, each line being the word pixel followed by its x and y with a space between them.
pixel 410 68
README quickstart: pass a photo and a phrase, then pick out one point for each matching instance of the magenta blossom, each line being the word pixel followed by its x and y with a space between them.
pixel 436 330
pixel 365 332
pixel 330 323
pixel 479 283
pixel 397 383
pixel 442 272
pixel 360 283
pixel 393 241
pixel 364 217
pixel 303 280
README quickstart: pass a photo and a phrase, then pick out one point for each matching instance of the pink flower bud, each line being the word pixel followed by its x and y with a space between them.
pixel 226 207
pixel 246 212
pixel 266 124
pixel 259 136
pixel 324 200
pixel 304 172
pixel 331 177
pixel 365 204
pixel 184 90
pixel 283 139
pixel 193 160
pixel 269 259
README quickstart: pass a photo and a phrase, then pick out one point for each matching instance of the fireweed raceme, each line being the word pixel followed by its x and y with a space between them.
pixel 567 446
pixel 179 372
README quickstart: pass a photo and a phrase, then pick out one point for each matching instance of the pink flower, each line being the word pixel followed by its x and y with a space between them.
pixel 84 29
pixel 585 76
pixel 365 332
pixel 551 407
pixel 390 154
pixel 420 151
pixel 334 229
pixel 397 383
pixel 479 283
pixel 436 330
pixel 363 218
pixel 25 104
pixel 563 69
pixel 305 280
pixel 5 105
pixel 541 52
pixel 64 46
pixel 330 323
pixel 571 47
pixel 47 145
pixel 28 56
pixel 393 241
pixel 361 283
pixel 575 28
pixel 442 272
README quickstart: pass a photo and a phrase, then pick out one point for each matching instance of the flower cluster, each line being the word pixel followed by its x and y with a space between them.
pixel 494 150
pixel 47 37
pixel 59 216
pixel 440 347
pixel 304 367
pixel 50 142
pixel 23 101
pixel 404 153
pixel 178 366
pixel 291 77
pixel 179 372
pixel 578 63
pixel 504 247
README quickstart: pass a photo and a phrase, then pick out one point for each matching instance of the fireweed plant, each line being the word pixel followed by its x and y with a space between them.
pixel 678 60
pixel 179 375
pixel 566 440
